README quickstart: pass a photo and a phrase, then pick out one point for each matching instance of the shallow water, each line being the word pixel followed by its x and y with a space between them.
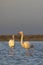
pixel 17 56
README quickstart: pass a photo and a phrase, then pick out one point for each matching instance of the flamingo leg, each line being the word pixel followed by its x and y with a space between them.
pixel 11 52
pixel 27 53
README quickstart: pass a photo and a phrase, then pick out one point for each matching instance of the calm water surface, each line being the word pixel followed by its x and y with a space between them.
pixel 17 56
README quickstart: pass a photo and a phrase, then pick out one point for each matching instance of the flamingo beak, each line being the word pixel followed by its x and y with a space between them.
pixel 18 33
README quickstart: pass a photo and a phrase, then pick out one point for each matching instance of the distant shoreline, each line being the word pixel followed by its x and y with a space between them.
pixel 26 37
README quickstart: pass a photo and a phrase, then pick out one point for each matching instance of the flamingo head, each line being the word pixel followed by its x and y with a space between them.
pixel 13 36
pixel 21 32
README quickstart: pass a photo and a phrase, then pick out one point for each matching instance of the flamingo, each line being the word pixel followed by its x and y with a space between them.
pixel 11 42
pixel 25 44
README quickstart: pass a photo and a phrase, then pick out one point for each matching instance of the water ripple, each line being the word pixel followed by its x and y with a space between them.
pixel 18 56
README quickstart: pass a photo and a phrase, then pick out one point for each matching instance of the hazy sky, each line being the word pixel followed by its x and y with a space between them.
pixel 25 15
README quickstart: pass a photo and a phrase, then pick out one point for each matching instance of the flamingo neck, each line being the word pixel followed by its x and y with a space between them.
pixel 13 37
pixel 21 39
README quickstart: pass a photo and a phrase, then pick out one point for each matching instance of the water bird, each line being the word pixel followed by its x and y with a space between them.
pixel 25 44
pixel 11 42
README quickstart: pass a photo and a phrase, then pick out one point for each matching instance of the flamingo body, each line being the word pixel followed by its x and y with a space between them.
pixel 11 42
pixel 25 45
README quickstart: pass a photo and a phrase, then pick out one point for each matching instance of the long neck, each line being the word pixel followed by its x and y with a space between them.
pixel 21 39
pixel 13 37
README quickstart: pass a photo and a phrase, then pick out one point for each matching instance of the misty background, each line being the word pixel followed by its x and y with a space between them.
pixel 25 15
